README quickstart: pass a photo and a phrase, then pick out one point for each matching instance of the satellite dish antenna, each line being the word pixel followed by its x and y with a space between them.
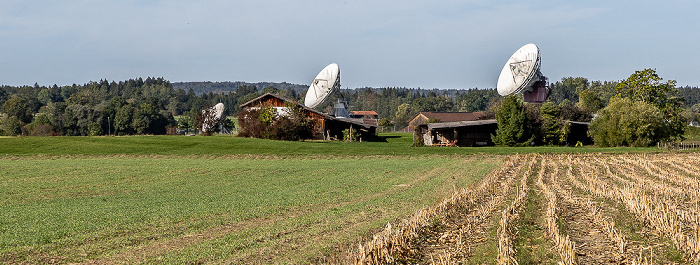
pixel 212 117
pixel 218 110
pixel 326 82
pixel 521 74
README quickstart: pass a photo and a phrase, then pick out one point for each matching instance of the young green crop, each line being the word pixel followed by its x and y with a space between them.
pixel 80 209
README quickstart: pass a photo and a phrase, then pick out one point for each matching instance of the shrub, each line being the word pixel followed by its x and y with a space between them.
pixel 263 123
pixel 625 122
pixel 350 137
pixel 94 129
pixel 44 130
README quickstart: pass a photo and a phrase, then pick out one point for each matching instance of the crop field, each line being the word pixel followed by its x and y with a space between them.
pixel 177 199
pixel 557 209
pixel 242 209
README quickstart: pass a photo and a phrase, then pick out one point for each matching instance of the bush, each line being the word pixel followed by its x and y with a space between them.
pixel 94 129
pixel 348 137
pixel 262 123
pixel 625 122
pixel 44 130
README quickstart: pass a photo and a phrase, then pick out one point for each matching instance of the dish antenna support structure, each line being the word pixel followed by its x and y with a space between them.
pixel 326 83
pixel 521 74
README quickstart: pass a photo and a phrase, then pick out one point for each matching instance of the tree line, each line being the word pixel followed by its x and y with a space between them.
pixel 638 111
pixel 154 104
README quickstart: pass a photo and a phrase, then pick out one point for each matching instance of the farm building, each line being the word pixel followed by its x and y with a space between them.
pixel 458 133
pixel 326 127
pixel 578 132
pixel 422 118
pixel 478 133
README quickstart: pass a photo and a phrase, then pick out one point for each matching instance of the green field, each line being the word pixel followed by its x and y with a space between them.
pixel 175 199
pixel 209 199
pixel 224 145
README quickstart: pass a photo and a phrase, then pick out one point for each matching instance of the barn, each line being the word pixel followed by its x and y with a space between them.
pixel 478 133
pixel 459 133
pixel 326 127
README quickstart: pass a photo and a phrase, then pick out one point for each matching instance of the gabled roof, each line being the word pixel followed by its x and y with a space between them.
pixel 268 95
pixel 453 116
pixel 364 112
pixel 456 124
pixel 358 122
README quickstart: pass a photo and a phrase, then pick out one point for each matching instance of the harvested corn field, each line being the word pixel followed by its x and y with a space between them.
pixel 557 209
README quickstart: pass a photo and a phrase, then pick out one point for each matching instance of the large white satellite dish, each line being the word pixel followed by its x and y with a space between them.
pixel 521 73
pixel 326 82
pixel 218 110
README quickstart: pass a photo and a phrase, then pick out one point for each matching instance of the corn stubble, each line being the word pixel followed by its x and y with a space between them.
pixel 659 190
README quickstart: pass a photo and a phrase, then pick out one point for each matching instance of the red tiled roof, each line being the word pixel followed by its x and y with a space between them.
pixel 364 112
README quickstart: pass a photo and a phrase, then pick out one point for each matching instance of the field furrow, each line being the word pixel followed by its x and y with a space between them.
pixel 565 247
pixel 448 231
pixel 506 231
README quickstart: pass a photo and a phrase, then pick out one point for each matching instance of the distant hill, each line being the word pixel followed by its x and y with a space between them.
pixel 200 88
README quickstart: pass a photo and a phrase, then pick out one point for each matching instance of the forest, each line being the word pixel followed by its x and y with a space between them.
pixel 155 105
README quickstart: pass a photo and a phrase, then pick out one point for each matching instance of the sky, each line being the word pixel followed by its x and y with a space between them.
pixel 410 43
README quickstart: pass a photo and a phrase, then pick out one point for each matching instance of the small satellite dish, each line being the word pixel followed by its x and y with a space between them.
pixel 521 74
pixel 212 117
pixel 326 82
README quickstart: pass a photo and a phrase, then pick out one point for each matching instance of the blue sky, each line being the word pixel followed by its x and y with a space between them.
pixel 411 43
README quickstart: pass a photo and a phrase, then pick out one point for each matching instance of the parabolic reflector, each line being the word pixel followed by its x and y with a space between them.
pixel 326 82
pixel 521 71
pixel 218 110
pixel 212 117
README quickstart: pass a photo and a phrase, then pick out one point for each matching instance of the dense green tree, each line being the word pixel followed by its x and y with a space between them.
pixel 554 130
pixel 404 113
pixel 589 101
pixel 604 89
pixel 4 95
pixel 567 88
pixel 10 125
pixel 123 120
pixel 147 120
pixel 18 107
pixel 627 122
pixel 647 86
pixel 476 99
pixel 270 89
pixel 512 123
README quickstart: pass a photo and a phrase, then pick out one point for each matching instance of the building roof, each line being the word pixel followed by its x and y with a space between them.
pixel 260 98
pixel 453 116
pixel 364 112
pixel 422 117
pixel 579 122
pixel 358 122
pixel 459 124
